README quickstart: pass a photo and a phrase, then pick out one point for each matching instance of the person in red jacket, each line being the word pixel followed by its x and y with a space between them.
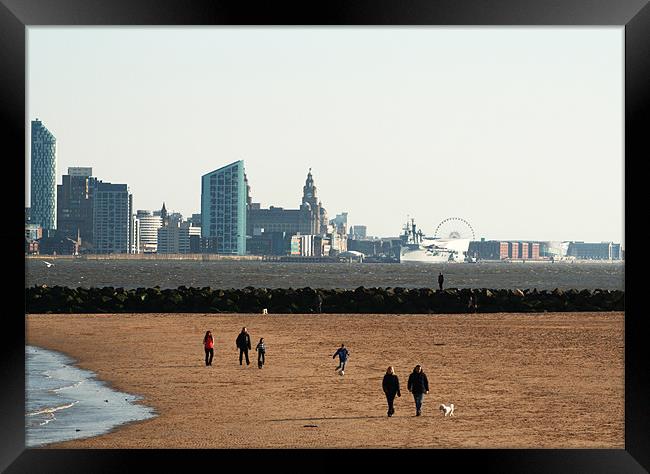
pixel 208 345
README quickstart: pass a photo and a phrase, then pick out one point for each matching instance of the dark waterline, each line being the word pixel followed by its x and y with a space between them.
pixel 240 274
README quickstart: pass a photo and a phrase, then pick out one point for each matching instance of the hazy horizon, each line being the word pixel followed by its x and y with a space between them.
pixel 517 130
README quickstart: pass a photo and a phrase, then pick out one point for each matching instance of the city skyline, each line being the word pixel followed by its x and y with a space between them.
pixel 543 197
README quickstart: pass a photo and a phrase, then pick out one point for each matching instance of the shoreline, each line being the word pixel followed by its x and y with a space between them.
pixel 570 362
pixel 85 394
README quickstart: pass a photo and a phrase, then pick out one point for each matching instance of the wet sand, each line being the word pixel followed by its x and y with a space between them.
pixel 553 380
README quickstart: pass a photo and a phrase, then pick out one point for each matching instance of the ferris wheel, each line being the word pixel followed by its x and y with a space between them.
pixel 454 228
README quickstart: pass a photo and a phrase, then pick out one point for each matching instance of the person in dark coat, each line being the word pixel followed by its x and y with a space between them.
pixel 441 279
pixel 244 345
pixel 418 385
pixel 390 385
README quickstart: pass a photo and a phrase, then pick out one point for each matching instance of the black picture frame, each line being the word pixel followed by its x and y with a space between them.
pixel 634 15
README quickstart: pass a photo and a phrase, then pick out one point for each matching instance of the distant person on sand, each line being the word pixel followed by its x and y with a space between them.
pixel 441 279
pixel 418 385
pixel 208 345
pixel 472 305
pixel 390 385
pixel 243 344
pixel 261 351
pixel 343 354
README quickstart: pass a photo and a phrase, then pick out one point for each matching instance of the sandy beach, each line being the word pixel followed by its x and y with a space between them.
pixel 552 380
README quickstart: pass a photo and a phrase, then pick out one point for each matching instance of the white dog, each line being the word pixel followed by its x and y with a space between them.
pixel 265 311
pixel 447 410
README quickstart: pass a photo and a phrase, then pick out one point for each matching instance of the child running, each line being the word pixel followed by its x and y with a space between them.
pixel 343 354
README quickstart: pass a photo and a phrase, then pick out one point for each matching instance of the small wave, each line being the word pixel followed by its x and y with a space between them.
pixel 67 387
pixel 52 410
pixel 47 421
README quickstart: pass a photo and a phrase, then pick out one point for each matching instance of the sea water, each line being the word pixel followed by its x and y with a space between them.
pixel 240 274
pixel 64 402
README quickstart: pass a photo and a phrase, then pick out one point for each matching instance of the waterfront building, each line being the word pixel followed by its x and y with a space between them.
pixel 594 251
pixel 358 231
pixel 309 219
pixel 504 250
pixel 552 249
pixel 33 232
pixel 57 243
pixel 269 243
pixel 178 238
pixel 111 218
pixel 302 245
pixel 148 231
pixel 75 205
pixel 224 202
pixel 134 235
pixel 43 177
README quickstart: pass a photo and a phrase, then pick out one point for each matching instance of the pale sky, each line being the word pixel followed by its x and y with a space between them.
pixel 517 130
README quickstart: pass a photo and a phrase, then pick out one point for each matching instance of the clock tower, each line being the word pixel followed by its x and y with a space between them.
pixel 310 202
pixel 309 191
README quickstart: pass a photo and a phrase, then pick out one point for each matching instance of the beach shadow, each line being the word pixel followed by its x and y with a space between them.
pixel 438 343
pixel 330 418
pixel 182 366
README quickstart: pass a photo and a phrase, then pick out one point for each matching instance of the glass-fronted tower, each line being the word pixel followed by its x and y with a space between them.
pixel 43 177
pixel 223 209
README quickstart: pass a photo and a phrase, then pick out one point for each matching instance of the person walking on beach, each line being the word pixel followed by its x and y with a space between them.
pixel 261 351
pixel 208 345
pixel 418 385
pixel 343 354
pixel 441 279
pixel 243 344
pixel 390 385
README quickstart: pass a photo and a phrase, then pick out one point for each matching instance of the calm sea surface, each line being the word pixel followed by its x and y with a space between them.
pixel 240 274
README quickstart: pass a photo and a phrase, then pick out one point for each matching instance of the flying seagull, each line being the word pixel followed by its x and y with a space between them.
pixel 48 264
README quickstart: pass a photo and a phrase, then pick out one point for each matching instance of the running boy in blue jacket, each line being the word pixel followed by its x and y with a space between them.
pixel 343 354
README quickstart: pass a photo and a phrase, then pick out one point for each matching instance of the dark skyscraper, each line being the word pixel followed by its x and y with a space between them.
pixel 75 205
pixel 43 177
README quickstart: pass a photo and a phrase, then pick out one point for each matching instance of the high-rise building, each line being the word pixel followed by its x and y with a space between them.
pixel 74 213
pixel 148 226
pixel 43 177
pixel 224 201
pixel 111 218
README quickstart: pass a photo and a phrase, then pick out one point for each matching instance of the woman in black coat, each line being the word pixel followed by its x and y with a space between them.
pixel 391 388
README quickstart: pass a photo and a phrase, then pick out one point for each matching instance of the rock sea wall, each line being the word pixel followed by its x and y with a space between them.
pixel 60 299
